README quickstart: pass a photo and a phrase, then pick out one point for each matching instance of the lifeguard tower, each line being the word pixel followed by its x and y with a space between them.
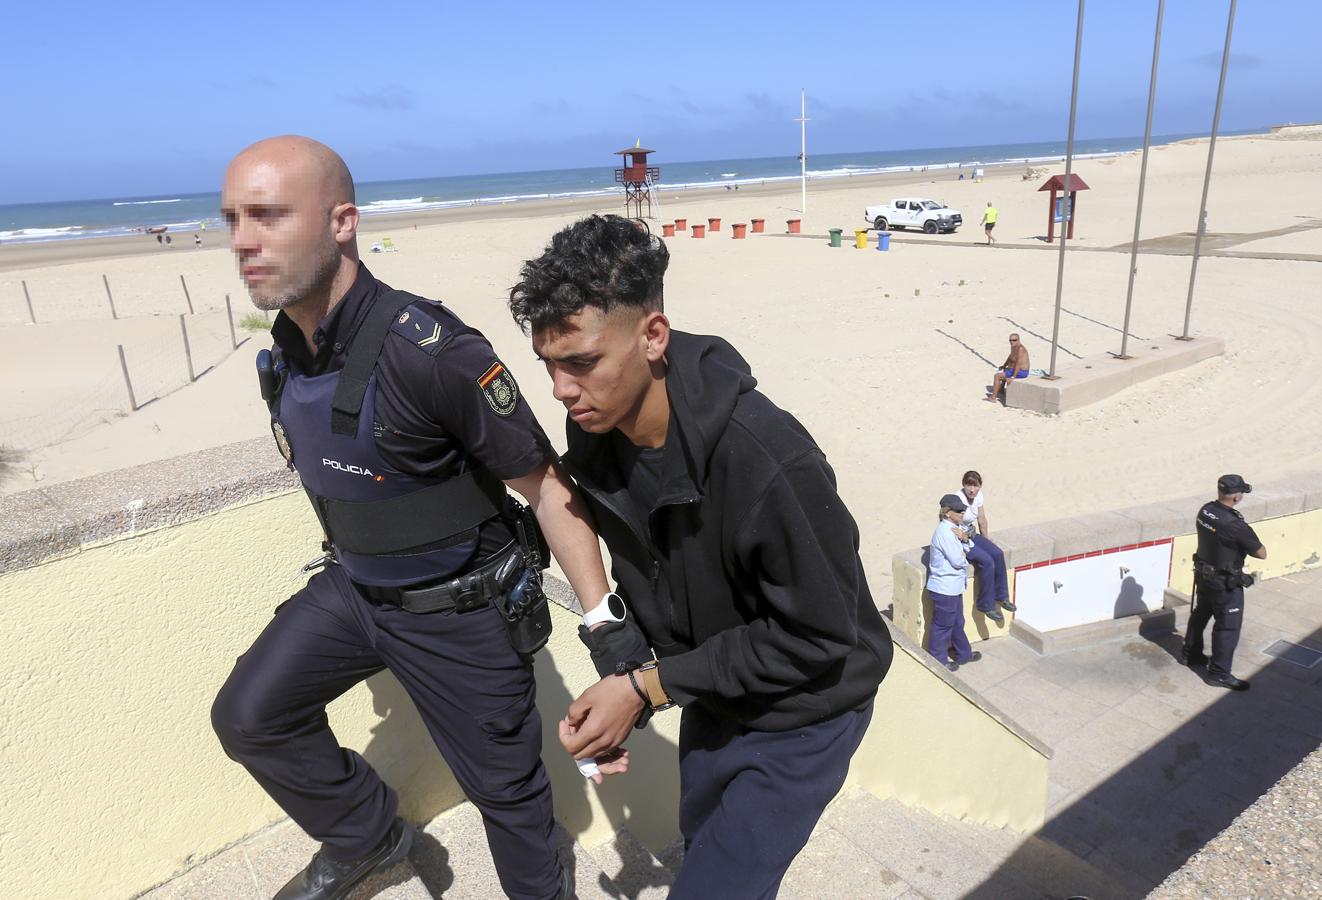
pixel 639 180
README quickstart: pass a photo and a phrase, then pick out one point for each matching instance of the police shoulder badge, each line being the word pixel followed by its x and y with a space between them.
pixel 499 388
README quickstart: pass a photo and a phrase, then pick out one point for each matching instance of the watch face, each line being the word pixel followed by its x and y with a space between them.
pixel 616 606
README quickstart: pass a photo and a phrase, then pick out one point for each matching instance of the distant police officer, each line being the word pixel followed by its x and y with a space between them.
pixel 1224 539
pixel 402 425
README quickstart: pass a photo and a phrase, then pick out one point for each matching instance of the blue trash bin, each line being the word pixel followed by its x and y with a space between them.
pixel 883 240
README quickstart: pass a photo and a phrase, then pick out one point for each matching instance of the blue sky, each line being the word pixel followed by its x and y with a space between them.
pixel 108 99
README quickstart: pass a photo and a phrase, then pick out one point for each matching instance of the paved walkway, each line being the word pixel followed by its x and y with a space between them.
pixel 1151 763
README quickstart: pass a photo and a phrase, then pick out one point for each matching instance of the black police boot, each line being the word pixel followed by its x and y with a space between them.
pixel 973 657
pixel 1192 659
pixel 951 665
pixel 995 615
pixel 1230 682
pixel 1008 605
pixel 327 879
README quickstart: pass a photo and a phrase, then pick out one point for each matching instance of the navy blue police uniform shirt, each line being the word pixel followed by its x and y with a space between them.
pixel 444 400
pixel 1230 528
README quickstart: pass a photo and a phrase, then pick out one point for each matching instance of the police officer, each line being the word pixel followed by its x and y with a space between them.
pixel 405 429
pixel 1224 539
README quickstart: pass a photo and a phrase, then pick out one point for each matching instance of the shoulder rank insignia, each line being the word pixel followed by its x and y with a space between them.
pixel 500 389
pixel 415 326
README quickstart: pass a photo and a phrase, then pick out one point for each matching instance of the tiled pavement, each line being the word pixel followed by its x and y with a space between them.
pixel 1150 763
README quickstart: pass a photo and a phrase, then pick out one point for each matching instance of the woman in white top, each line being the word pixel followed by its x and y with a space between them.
pixel 987 558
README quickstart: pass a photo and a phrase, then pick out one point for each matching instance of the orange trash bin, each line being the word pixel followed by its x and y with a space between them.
pixel 667 230
pixel 792 226
pixel 699 230
pixel 759 225
pixel 740 229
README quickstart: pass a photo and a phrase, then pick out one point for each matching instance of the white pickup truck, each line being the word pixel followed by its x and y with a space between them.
pixel 931 216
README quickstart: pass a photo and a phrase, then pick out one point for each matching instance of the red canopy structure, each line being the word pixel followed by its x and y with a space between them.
pixel 1056 184
pixel 638 179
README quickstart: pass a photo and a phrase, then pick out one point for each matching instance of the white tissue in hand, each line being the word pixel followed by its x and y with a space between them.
pixel 588 767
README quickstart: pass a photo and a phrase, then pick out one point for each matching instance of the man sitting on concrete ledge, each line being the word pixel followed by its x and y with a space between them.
pixel 1015 366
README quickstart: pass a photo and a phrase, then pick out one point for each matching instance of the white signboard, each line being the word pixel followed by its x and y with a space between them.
pixel 1093 587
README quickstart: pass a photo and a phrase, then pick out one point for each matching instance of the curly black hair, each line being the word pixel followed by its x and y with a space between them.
pixel 602 261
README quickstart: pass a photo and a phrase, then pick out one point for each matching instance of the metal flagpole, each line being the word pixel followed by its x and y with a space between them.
pixel 1142 181
pixel 1207 178
pixel 1069 184
pixel 803 150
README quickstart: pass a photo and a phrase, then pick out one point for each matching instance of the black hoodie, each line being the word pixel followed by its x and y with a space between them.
pixel 749 586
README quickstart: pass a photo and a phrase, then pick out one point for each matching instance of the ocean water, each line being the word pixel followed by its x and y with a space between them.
pixel 186 213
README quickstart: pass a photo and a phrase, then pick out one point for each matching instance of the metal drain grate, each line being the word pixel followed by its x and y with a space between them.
pixel 1304 657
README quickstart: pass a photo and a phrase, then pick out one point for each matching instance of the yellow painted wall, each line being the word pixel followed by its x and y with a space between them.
pixel 111 779
pixel 912 609
pixel 1293 542
pixel 930 746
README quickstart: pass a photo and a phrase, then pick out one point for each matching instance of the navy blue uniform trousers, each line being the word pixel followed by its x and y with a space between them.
pixel 993 579
pixel 1214 602
pixel 749 799
pixel 947 629
pixel 475 694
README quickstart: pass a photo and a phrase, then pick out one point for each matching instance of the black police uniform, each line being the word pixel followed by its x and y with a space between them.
pixel 1224 539
pixel 405 476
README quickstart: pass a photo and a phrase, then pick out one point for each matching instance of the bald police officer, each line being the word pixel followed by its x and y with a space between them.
pixel 405 429
pixel 1224 540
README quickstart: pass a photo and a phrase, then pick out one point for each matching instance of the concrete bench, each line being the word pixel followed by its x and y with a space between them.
pixel 1097 377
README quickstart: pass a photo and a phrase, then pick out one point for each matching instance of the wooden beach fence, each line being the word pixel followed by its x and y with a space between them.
pixel 109 296
pixel 28 298
pixel 186 296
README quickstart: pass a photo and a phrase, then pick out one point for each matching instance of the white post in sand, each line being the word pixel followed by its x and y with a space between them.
pixel 1207 178
pixel 1069 185
pixel 1142 180
pixel 803 151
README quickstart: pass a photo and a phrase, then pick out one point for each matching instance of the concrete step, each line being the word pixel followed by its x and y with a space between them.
pixel 917 853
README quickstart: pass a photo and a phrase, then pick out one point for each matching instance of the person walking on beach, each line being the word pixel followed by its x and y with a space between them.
pixel 989 222
pixel 405 429
pixel 736 559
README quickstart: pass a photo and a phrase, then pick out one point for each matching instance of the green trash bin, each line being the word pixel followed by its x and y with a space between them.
pixel 835 236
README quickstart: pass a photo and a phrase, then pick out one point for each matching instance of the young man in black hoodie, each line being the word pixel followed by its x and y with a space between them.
pixel 736 560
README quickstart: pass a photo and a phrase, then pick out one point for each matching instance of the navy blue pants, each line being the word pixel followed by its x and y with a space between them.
pixel 749 799
pixel 475 694
pixel 947 629
pixel 1227 609
pixel 993 583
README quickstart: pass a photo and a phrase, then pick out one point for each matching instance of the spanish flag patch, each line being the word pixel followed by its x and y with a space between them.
pixel 500 389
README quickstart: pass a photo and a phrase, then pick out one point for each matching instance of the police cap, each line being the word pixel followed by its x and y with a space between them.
pixel 1233 484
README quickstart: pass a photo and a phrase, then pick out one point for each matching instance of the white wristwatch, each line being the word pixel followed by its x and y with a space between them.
pixel 610 609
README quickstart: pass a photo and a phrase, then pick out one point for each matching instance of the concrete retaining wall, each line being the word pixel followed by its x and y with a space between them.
pixel 127 598
pixel 1287 516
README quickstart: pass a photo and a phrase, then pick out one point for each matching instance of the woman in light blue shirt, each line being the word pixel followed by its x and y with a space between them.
pixel 947 574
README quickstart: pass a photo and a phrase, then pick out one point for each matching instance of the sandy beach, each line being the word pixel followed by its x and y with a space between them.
pixel 883 356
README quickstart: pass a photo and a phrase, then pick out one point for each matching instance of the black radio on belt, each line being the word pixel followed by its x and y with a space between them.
pixel 523 606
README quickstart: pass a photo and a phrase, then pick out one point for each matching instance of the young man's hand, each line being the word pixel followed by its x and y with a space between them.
pixel 601 718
